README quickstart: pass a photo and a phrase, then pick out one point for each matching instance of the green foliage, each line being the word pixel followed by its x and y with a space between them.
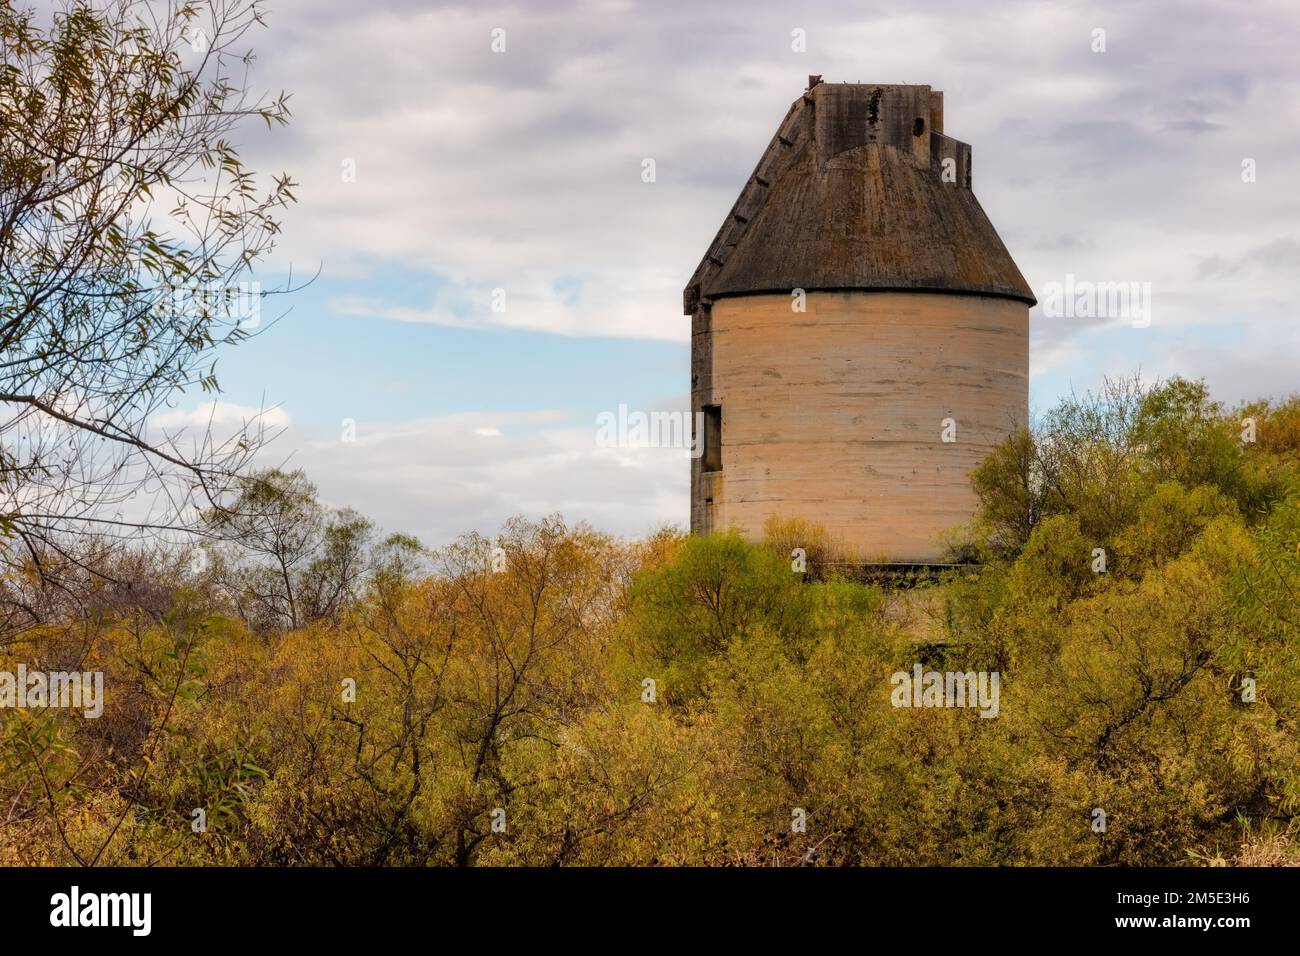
pixel 501 713
pixel 716 590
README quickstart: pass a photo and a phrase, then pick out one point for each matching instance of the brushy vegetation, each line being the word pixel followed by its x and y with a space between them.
pixel 511 675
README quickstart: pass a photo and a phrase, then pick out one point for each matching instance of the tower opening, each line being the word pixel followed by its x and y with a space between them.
pixel 711 460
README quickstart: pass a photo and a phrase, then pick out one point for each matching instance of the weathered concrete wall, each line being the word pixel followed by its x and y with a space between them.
pixel 835 414
pixel 850 115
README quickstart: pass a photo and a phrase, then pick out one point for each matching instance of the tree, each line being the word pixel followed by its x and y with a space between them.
pixel 276 519
pixel 1011 487
pixel 290 560
pixel 716 590
pixel 127 222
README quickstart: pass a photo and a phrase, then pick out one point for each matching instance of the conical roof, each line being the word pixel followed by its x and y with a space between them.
pixel 859 190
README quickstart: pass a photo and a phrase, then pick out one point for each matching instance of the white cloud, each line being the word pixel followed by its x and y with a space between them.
pixel 521 171
pixel 438 478
pixel 222 416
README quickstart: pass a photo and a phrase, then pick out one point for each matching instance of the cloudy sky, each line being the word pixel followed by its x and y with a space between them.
pixel 521 170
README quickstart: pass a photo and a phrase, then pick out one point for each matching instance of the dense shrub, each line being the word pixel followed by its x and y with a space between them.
pixel 556 696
